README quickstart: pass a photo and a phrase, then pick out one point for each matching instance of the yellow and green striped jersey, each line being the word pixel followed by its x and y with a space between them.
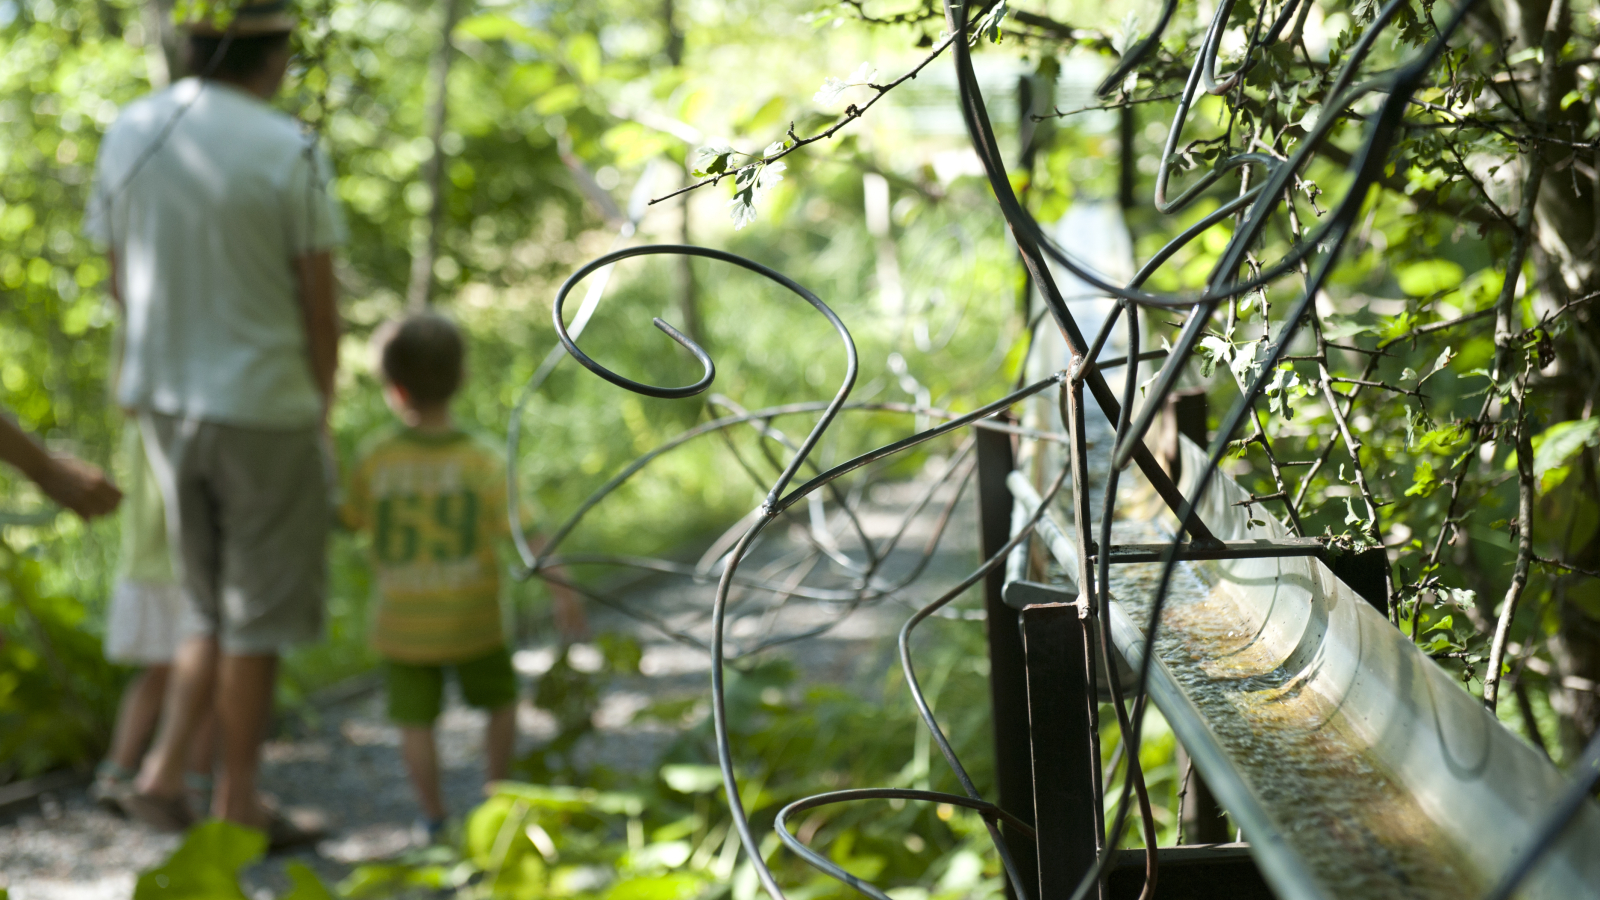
pixel 434 506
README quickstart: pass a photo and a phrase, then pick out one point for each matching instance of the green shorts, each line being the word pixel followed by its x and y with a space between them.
pixel 416 692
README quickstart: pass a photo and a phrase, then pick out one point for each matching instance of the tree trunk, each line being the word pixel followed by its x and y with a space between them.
pixel 425 239
pixel 1566 218
pixel 688 299
pixel 163 55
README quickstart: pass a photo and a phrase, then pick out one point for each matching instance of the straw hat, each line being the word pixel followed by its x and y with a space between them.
pixel 250 18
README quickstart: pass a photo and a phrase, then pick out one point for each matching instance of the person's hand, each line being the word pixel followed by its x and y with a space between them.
pixel 79 486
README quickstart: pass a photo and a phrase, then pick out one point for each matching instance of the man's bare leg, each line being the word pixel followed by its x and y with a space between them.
pixel 137 716
pixel 203 745
pixel 244 704
pixel 189 693
pixel 422 763
pixel 498 737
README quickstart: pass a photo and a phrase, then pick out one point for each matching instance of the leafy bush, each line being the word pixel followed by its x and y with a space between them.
pixel 57 692
pixel 667 835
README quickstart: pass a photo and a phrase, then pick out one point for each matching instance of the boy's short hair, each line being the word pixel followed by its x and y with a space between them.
pixel 423 354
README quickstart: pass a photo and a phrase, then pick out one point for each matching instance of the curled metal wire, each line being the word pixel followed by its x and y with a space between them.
pixel 1328 240
pixel 1255 205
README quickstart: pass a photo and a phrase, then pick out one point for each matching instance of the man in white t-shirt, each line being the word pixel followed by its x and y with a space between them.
pixel 216 214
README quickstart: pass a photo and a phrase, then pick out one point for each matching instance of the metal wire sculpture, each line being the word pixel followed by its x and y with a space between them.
pixel 1313 255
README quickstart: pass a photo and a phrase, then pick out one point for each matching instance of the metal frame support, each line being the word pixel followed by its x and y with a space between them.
pixel 1065 742
pixel 1008 682
pixel 1366 572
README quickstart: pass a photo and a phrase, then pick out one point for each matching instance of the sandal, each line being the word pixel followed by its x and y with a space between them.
pixel 161 813
pixel 110 782
pixel 197 787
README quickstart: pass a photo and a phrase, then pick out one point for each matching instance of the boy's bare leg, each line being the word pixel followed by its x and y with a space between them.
pixel 244 686
pixel 189 694
pixel 137 716
pixel 422 762
pixel 498 737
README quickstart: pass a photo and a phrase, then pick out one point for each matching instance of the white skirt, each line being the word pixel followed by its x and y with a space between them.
pixel 145 622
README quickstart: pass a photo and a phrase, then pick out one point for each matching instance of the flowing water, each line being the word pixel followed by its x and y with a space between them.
pixel 1358 831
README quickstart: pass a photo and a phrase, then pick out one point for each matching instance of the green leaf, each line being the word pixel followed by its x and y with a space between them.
pixel 559 797
pixel 1424 482
pixel 205 866
pixel 711 159
pixel 495 26
pixel 1212 350
pixel 674 886
pixel 691 779
pixel 1442 440
pixel 989 25
pixel 305 884
pixel 622 652
pixel 384 880
pixel 1351 516
pixel 583 52
pixel 1439 365
pixel 1429 277
pixel 1560 442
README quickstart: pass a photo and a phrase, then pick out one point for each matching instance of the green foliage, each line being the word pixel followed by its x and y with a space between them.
pixel 1555 448
pixel 206 865
pixel 55 687
pixel 666 834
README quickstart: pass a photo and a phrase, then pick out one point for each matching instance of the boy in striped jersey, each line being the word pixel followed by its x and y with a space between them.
pixel 433 499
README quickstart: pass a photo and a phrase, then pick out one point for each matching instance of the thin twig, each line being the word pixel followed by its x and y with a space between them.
pixel 851 113
pixel 1578 570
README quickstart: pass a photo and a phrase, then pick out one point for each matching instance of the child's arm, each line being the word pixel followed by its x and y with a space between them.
pixel 75 484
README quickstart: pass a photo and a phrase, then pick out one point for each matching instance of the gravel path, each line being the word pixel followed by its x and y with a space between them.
pixel 345 763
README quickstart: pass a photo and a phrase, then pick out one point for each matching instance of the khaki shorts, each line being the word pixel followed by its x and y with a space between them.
pixel 248 510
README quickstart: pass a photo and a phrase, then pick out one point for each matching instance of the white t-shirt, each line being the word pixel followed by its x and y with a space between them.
pixel 206 195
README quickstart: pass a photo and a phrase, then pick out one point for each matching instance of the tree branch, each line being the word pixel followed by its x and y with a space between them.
pixel 851 113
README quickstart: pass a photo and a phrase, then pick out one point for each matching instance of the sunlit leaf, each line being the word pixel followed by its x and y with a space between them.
pixel 1429 277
